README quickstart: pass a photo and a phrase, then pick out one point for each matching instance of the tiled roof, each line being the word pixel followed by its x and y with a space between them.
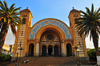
pixel 74 10
pixel 26 10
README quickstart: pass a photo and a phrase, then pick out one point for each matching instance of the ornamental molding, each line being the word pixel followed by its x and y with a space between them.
pixel 50 22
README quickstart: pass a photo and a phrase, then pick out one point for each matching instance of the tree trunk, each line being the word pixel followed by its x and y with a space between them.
pixel 95 41
pixel 3 34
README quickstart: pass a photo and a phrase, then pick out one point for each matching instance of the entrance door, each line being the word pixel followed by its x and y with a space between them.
pixel 31 49
pixel 50 50
pixel 56 50
pixel 69 50
pixel 44 51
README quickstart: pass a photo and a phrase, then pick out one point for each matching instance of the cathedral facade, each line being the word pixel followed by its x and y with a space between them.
pixel 49 37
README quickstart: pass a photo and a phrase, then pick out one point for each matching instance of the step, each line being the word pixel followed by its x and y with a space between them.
pixel 49 61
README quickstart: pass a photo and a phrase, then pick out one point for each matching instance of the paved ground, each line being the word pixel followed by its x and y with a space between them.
pixel 49 61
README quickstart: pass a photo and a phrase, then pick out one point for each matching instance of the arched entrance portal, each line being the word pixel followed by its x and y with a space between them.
pixel 69 50
pixel 49 50
pixel 31 49
pixel 44 50
pixel 56 50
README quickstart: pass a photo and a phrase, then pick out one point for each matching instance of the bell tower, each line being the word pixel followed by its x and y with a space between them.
pixel 78 41
pixel 20 45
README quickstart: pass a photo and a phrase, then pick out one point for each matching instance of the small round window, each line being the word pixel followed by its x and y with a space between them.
pixel 49 36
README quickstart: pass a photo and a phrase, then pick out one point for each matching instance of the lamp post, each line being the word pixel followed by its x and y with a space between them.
pixel 17 59
pixel 77 55
pixel 20 50
pixel 76 50
pixel 78 58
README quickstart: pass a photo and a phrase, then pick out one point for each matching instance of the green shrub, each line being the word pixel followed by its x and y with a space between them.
pixel 4 57
pixel 92 54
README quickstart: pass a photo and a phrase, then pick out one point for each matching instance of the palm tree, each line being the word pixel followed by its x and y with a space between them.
pixel 89 23
pixel 9 17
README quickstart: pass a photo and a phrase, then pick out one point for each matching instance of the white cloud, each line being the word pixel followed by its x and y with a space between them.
pixel 89 44
pixel 10 38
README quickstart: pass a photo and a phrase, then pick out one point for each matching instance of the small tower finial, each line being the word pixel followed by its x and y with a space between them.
pixel 27 7
pixel 73 7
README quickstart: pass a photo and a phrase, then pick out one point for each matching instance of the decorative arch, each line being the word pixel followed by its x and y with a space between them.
pixel 50 22
pixel 50 27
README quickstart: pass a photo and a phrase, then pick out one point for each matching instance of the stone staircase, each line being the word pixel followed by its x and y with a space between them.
pixel 49 61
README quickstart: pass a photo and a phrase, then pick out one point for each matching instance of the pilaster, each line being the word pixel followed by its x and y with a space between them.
pixel 37 47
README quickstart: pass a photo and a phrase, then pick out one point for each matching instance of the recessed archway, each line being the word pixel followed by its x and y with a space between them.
pixel 31 50
pixel 55 50
pixel 43 50
pixel 69 49
pixel 49 50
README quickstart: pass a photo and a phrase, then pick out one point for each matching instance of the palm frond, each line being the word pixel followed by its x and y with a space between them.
pixel 2 6
pixel 83 12
pixel 6 7
pixel 13 28
pixel 11 6
pixel 92 9
pixel 17 9
pixel 88 11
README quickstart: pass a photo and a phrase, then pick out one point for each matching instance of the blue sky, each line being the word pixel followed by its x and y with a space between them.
pixel 58 9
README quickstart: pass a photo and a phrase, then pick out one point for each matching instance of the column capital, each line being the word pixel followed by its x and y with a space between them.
pixel 37 40
pixel 62 41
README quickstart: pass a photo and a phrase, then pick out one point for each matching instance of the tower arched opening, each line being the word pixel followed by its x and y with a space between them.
pixel 23 21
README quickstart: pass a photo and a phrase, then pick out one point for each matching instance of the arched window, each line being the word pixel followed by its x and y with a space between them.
pixel 23 21
pixel 20 44
pixel 22 33
pixel 70 24
pixel 76 20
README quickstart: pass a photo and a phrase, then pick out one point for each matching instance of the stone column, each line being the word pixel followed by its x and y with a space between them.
pixel 46 50
pixel 53 50
pixel 41 51
pixel 59 51
pixel 37 47
pixel 62 48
